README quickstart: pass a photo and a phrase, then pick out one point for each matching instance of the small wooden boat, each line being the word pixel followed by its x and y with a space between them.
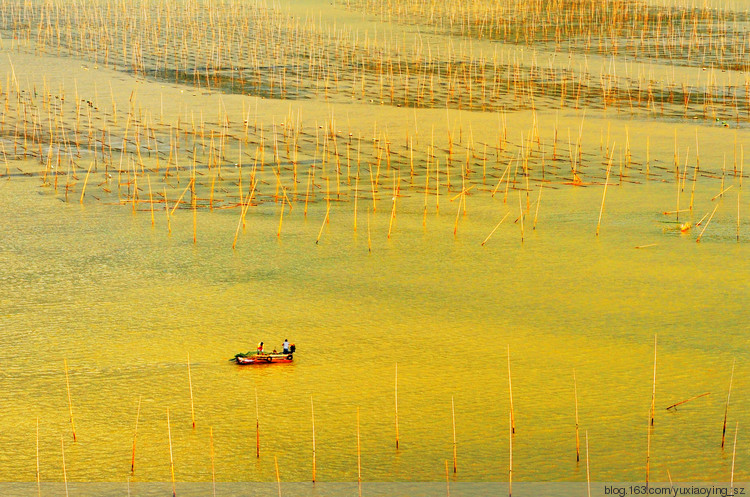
pixel 255 359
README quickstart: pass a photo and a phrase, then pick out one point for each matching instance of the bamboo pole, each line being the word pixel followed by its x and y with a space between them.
pixel 312 416
pixel 651 420
pixel 510 392
pixel 521 216
pixel 85 181
pixel 356 194
pixel 707 223
pixel 510 459
pixel 495 228
pixel 734 454
pixel 721 193
pixel 369 239
pixel 38 473
pixel 166 210
pixel 538 201
pixel 151 200
pixel 604 195
pixel 575 393
pixel 213 466
pixel 653 389
pixel 649 428
pixel 359 458
pixel 688 400
pixel 278 476
pixel 171 459
pixel 257 426
pixel 135 436
pixel 65 472
pixel 458 212
pixel 245 206
pixel 70 402
pixel 194 202
pixel 726 407
pixel 447 480
pixel 281 217
pixel 177 204
pixel 190 384
pixel 325 221
pixel 393 208
pixel 396 404
pixel 588 473
pixel 455 459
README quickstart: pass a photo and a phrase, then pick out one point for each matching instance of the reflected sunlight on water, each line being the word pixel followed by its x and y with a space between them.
pixel 124 304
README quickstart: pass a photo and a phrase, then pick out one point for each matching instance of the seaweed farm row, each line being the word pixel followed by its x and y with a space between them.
pixel 681 34
pixel 257 50
pixel 93 152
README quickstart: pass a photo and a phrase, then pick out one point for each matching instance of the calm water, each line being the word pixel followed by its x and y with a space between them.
pixel 125 304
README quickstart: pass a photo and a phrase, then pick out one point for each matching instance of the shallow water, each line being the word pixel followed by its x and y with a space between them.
pixel 125 303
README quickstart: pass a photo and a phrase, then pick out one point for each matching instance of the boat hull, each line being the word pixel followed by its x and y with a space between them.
pixel 261 359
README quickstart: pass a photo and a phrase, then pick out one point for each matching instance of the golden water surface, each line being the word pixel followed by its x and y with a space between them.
pixel 405 297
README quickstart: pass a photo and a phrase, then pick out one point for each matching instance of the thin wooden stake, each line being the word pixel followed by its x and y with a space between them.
pixel 85 181
pixel 281 217
pixel 688 400
pixel 194 201
pixel 726 406
pixel 521 216
pixel 190 383
pixel 151 201
pixel 312 415
pixel 538 201
pixel 606 182
pixel 453 412
pixel 359 458
pixel 510 460
pixel 648 451
pixel 510 392
pixel 135 435
pixel 447 479
pixel 707 223
pixel 65 472
pixel 738 215
pixel 325 221
pixel 651 420
pixel 70 402
pixel 588 473
pixel 575 393
pixel 171 459
pixel 213 466
pixel 369 239
pixel 38 473
pixel 495 228
pixel 257 426
pixel 734 453
pixel 653 389
pixel 278 476
pixel 396 404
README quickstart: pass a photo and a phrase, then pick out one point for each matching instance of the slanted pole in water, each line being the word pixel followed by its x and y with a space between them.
pixel 70 402
pixel 726 407
pixel 135 436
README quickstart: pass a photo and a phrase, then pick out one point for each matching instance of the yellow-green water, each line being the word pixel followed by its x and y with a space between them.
pixel 125 303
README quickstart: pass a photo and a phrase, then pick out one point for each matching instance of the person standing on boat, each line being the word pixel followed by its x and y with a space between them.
pixel 286 346
pixel 260 348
